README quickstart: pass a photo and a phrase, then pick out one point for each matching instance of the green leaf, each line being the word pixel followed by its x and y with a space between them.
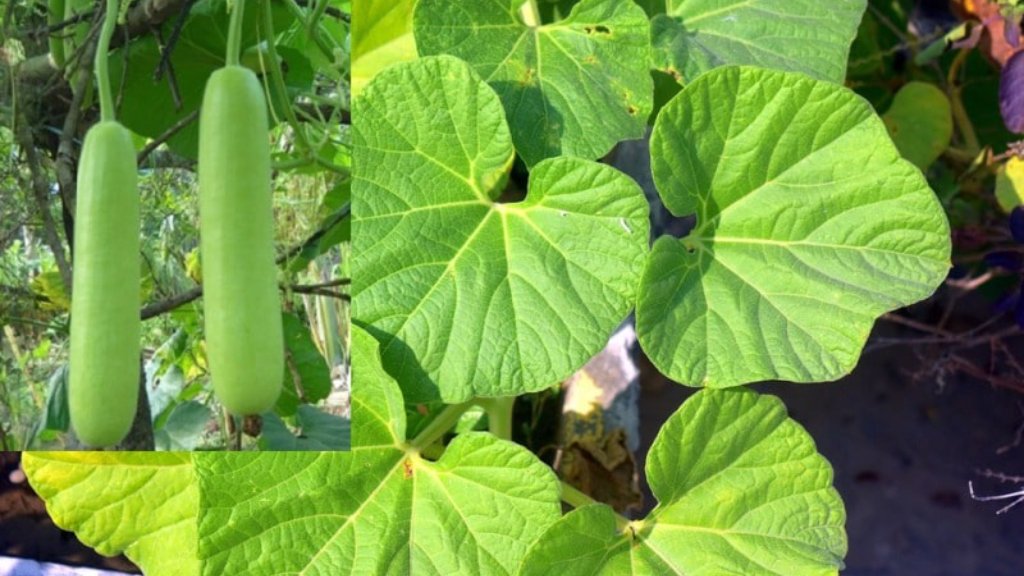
pixel 1010 184
pixel 920 122
pixel 557 81
pixel 184 427
pixel 470 297
pixel 809 226
pixel 316 430
pixel 381 36
pixel 151 106
pixel 57 416
pixel 140 503
pixel 806 36
pixel 381 508
pixel 311 372
pixel 740 490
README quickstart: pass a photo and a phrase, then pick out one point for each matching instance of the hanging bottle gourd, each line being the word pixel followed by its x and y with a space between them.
pixel 103 383
pixel 244 341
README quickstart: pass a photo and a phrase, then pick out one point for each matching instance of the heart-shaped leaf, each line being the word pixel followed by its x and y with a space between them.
pixel 809 226
pixel 470 297
pixel 808 36
pixel 740 489
pixel 381 508
pixel 140 503
pixel 558 82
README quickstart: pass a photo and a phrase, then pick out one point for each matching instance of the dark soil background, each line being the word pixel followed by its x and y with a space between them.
pixel 903 450
pixel 26 531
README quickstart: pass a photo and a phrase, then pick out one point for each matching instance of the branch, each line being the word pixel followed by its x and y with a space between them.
pixel 330 11
pixel 66 161
pixel 167 135
pixel 165 306
pixel 40 192
pixel 141 20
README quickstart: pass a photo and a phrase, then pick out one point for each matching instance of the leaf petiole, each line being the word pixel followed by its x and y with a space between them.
pixel 578 499
pixel 437 428
pixel 499 415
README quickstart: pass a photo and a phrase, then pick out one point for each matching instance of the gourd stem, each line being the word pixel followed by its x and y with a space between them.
pixel 107 112
pixel 499 415
pixel 441 424
pixel 235 33
pixel 577 499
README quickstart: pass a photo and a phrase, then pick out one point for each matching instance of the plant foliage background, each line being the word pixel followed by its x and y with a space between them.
pixel 494 254
pixel 158 74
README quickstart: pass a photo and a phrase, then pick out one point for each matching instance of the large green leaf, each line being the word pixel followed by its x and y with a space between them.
pixel 150 106
pixel 381 36
pixel 809 226
pixel 139 503
pixel 808 36
pixel 740 489
pixel 575 87
pixel 470 297
pixel 381 509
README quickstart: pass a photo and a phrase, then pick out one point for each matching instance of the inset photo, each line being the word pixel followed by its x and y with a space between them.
pixel 174 226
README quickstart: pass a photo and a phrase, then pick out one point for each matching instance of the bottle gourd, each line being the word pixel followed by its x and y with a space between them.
pixel 244 341
pixel 103 385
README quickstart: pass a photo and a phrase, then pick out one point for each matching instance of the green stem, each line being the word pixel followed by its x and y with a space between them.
pixel 235 33
pixel 577 499
pixel 315 34
pixel 107 112
pixel 499 415
pixel 960 117
pixel 278 78
pixel 314 19
pixel 441 424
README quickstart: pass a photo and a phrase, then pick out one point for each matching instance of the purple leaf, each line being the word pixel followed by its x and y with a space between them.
pixel 1012 261
pixel 1011 93
pixel 1011 31
pixel 1017 224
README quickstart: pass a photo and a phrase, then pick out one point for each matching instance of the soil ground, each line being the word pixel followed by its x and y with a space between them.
pixel 903 452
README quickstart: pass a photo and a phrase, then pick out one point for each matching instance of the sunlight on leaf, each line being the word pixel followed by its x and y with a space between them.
pixel 379 509
pixel 140 503
pixel 556 81
pixel 806 36
pixel 740 490
pixel 469 296
pixel 809 226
